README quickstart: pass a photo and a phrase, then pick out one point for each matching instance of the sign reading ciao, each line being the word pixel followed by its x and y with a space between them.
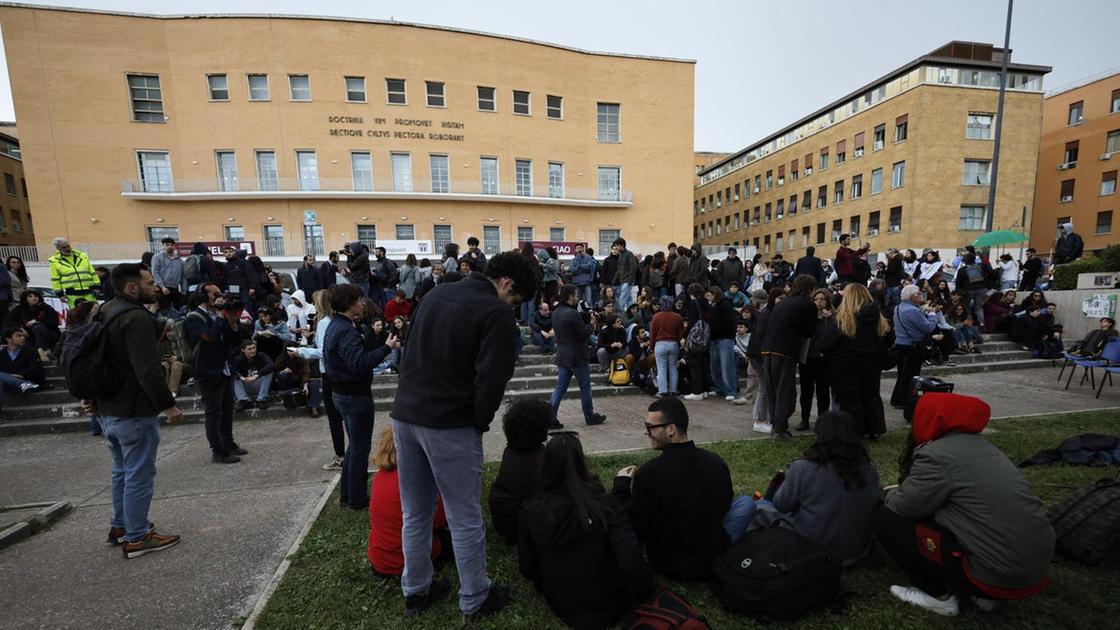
pixel 395 128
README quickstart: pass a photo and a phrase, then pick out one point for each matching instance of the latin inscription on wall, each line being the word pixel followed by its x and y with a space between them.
pixel 396 128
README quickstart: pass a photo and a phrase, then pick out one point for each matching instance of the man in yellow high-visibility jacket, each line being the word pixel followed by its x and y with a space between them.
pixel 72 275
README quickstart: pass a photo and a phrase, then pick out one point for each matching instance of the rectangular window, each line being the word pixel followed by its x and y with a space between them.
pixel 896 219
pixel 805 235
pixel 838 192
pixel 769 180
pixel 607 122
pixel 440 167
pixel 1061 221
pixel 767 213
pixel 1112 142
pixel 235 233
pixel 155 234
pixel 556 235
pixel 877 181
pixel 822 196
pixel 976 172
pixel 1070 155
pixel 394 92
pixel 610 183
pixel 227 170
pixel 1076 112
pixel 524 234
pixel 900 127
pixel 853 226
pixel 841 151
pixel 555 180
pixel 367 235
pixel 313 240
pixel 757 183
pixel 782 175
pixel 299 87
pixel 307 165
pixel 258 87
pixel 898 175
pixel 521 103
pixel 1114 106
pixel 491 239
pixel 1108 183
pixel 273 240
pixel 792 239
pixel 18 227
pixel 979 126
pixel 792 207
pixel 486 101
pixel 405 232
pixel 879 137
pixel 778 242
pixel 824 159
pixel 719 198
pixel 10 184
pixel 873 223
pixel 441 234
pixel 736 222
pixel 146 97
pixel 808 164
pixel 607 238
pixel 837 229
pixel 361 170
pixel 794 172
pixel 555 106
pixel 1104 222
pixel 267 178
pixel 736 192
pixel 356 89
pixel 766 243
pixel 781 209
pixel 857 186
pixel 155 171
pixel 218 84
pixel 433 90
pixel 807 200
pixel 23 184
pixel 402 171
pixel 489 171
pixel 523 177
pixel 972 218
pixel 1066 194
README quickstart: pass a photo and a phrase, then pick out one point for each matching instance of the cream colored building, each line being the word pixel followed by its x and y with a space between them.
pixel 16 230
pixel 902 162
pixel 301 133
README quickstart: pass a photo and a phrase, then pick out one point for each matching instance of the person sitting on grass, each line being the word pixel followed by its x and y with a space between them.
pixel 525 424
pixel 963 522
pixel 252 376
pixel 386 559
pixel 20 368
pixel 576 545
pixel 677 501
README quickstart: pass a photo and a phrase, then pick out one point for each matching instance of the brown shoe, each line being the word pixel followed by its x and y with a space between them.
pixel 313 412
pixel 152 542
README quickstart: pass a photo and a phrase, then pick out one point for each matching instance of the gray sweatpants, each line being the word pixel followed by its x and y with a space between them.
pixel 781 375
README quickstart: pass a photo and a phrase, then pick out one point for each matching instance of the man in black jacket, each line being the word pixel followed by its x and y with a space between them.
pixel 792 323
pixel 810 265
pixel 309 277
pixel 212 328
pixel 453 374
pixel 1032 269
pixel 893 276
pixel 21 370
pixel 677 501
pixel 357 268
pixel 382 277
pixel 722 329
pixel 572 334
pixel 731 269
pixel 129 415
pixel 252 376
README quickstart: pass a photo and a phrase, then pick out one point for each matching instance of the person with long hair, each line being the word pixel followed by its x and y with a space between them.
pixel 853 346
pixel 813 372
pixel 451 258
pixel 409 277
pixel 666 332
pixel 40 321
pixel 323 314
pixel 20 279
pixel 576 544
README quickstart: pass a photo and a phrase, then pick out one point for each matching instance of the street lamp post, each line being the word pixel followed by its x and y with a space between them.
pixel 990 214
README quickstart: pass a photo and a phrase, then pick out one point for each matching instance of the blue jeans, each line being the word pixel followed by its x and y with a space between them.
pixel 133 443
pixel 528 307
pixel 586 293
pixel 357 415
pixel 667 353
pixel 518 342
pixel 622 296
pixel 7 381
pixel 364 286
pixel 390 361
pixel 258 388
pixel 583 378
pixel 723 367
pixel 544 344
pixel 894 295
pixel 740 515
pixel 447 463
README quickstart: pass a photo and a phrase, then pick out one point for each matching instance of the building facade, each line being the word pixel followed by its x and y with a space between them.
pixel 301 134
pixel 1077 164
pixel 16 229
pixel 901 162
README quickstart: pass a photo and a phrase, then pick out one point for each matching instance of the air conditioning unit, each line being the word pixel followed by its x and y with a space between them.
pixel 878 145
pixel 1064 165
pixel 873 232
pixel 1067 199
pixel 757 190
pixel 896 228
pixel 809 169
pixel 1106 156
pixel 859 153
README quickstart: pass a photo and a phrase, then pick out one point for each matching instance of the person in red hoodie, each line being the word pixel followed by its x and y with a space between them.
pixel 963 522
pixel 399 305
pixel 845 271
pixel 385 517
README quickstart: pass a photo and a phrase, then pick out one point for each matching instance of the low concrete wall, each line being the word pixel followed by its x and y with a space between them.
pixel 1076 325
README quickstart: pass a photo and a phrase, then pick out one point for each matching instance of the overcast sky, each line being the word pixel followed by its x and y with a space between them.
pixel 760 65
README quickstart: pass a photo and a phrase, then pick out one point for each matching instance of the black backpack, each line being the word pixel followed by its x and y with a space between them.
pixel 775 574
pixel 1087 523
pixel 83 358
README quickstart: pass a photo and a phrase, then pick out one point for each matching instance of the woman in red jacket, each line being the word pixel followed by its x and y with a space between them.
pixel 385 519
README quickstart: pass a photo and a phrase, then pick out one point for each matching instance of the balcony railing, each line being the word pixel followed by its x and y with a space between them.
pixel 367 188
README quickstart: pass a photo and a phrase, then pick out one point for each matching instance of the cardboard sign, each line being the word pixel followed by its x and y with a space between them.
pixel 217 248
pixel 563 248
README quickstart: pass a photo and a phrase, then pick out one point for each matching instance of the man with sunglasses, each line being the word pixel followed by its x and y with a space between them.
pixel 677 500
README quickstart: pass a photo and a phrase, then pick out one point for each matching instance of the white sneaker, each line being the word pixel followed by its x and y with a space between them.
pixel 729 398
pixel 694 396
pixel 740 401
pixel 334 464
pixel 919 598
pixel 27 386
pixel 984 605
pixel 762 427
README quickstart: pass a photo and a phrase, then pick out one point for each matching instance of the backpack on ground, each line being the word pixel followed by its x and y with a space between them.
pixel 698 337
pixel 83 358
pixel 181 344
pixel 775 574
pixel 1087 523
pixel 666 611
pixel 620 373
pixel 192 269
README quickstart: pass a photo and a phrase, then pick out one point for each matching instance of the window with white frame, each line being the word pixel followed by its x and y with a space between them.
pixel 555 106
pixel 155 234
pixel 394 92
pixel 523 177
pixel 876 181
pixel 556 180
pixel 267 177
pixel 434 92
pixel 402 171
pixel 307 166
pixel 976 172
pixel 361 168
pixel 440 166
pixel 1104 222
pixel 235 233
pixel 299 87
pixel 979 126
pixel 155 171
pixel 607 238
pixel 218 84
pixel 489 171
pixel 1114 106
pixel 857 186
pixel 972 218
pixel 556 234
pixel 853 226
pixel 524 234
pixel 273 240
pixel 258 87
pixel 356 89
pixel 898 175
pixel 1108 183
pixel 609 183
pixel 405 232
pixel 607 122
pixel 1112 142
pixel 367 235
pixel 441 234
pixel 521 103
pixel 486 100
pixel 1076 112
pixel 227 170
pixel 491 239
pixel 146 96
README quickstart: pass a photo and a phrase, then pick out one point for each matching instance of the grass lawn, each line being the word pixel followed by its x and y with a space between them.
pixel 329 584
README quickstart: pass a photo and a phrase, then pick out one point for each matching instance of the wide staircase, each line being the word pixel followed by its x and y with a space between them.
pixel 54 410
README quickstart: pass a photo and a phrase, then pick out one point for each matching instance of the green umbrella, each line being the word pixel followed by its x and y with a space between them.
pixel 999 237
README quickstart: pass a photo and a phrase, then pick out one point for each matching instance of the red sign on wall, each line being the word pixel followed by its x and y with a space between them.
pixel 217 248
pixel 563 248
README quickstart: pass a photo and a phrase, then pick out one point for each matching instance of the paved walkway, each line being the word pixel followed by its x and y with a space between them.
pixel 238 521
